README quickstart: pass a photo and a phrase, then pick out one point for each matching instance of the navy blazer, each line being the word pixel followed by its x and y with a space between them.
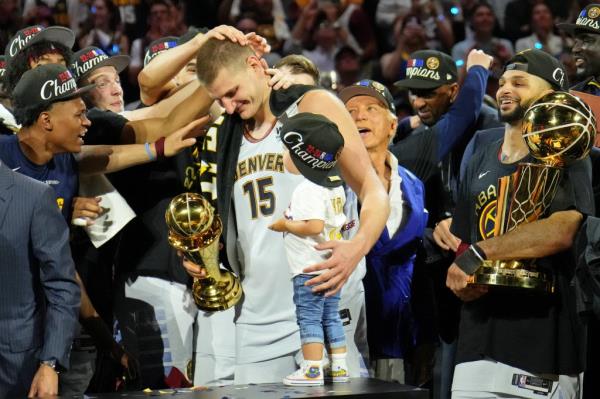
pixel 39 296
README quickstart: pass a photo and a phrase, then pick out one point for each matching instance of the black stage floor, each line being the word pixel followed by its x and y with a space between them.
pixel 357 388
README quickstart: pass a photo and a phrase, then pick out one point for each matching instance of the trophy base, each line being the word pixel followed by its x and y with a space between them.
pixel 514 274
pixel 212 295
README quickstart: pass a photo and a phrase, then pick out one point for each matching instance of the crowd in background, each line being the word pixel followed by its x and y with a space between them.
pixel 347 40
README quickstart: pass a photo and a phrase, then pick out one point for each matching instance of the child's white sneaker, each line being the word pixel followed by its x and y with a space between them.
pixel 309 374
pixel 337 373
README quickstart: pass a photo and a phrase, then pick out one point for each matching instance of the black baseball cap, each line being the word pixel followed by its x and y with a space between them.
pixel 428 69
pixel 47 84
pixel 190 34
pixel 158 46
pixel 35 34
pixel 91 58
pixel 542 65
pixel 588 20
pixel 314 143
pixel 370 88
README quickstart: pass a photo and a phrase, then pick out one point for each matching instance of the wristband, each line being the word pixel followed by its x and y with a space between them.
pixel 151 156
pixel 159 146
pixel 479 252
pixel 470 260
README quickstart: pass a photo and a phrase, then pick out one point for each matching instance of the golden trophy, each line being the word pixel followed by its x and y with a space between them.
pixel 194 229
pixel 559 129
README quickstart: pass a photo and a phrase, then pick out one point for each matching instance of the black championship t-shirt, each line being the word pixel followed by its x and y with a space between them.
pixel 536 332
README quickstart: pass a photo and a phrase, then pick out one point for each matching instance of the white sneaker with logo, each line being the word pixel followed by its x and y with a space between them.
pixel 337 373
pixel 310 374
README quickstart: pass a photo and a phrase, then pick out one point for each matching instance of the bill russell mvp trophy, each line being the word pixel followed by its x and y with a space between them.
pixel 194 229
pixel 559 129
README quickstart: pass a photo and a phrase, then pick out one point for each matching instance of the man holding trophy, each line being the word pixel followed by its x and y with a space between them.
pixel 518 334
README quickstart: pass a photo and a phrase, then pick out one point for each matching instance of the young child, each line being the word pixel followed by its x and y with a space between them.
pixel 315 215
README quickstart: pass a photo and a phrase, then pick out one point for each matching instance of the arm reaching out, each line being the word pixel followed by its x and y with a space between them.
pixel 107 159
pixel 154 78
pixel 358 172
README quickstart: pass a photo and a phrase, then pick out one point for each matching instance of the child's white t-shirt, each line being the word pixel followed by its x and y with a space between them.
pixel 313 202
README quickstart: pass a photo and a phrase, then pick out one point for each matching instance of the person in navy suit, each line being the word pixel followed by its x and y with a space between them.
pixel 39 297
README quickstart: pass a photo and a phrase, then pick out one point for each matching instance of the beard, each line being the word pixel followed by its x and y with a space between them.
pixel 513 116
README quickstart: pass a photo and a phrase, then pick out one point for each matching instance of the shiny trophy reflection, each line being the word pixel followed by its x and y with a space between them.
pixel 194 229
pixel 559 129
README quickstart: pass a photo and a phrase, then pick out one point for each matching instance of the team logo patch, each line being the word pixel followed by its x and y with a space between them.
pixel 373 85
pixel 312 372
pixel 433 63
pixel 589 18
pixel 378 86
pixel 487 221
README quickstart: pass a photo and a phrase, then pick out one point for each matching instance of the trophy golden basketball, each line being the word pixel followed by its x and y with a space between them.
pixel 194 229
pixel 559 129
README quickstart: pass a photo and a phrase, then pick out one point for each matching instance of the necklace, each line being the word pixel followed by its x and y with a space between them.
pixel 248 126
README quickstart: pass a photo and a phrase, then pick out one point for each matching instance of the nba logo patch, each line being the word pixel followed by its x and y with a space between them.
pixel 414 63
pixel 64 76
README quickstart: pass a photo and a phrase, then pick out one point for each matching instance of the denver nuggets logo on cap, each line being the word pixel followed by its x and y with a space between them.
pixel 378 86
pixel 588 18
pixel 433 63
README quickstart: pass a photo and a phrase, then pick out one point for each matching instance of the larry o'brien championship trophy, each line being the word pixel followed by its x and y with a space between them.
pixel 559 129
pixel 194 229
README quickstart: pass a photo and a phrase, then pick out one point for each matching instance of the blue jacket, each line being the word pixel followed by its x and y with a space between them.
pixel 389 275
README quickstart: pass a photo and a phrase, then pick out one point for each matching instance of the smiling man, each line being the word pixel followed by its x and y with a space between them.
pixel 514 343
pixel 266 334
pixel 586 49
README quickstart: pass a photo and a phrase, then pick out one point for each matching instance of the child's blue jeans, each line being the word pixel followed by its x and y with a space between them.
pixel 317 314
